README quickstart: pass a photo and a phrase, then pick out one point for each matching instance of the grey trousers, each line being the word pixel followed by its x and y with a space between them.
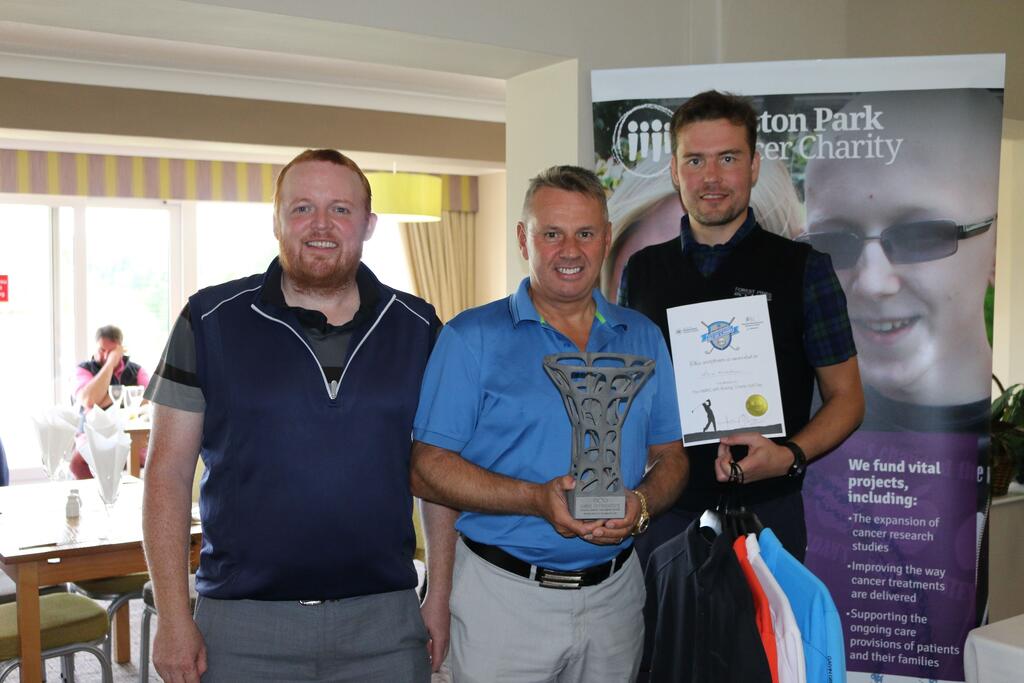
pixel 507 628
pixel 365 639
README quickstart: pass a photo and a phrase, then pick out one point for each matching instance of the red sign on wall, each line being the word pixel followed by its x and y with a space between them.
pixel 3 288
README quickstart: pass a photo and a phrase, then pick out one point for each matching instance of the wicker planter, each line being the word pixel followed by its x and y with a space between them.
pixel 1002 475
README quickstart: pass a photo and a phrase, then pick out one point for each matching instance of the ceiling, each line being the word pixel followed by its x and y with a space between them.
pixel 195 48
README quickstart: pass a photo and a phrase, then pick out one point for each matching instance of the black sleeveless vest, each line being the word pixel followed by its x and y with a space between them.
pixel 662 277
pixel 129 376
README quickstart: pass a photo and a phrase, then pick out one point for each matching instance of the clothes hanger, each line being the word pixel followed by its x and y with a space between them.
pixel 739 521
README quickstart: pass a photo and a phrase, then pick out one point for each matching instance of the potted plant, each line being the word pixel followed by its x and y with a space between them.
pixel 1007 447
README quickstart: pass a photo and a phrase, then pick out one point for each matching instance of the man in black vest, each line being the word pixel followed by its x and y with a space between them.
pixel 723 252
pixel 109 365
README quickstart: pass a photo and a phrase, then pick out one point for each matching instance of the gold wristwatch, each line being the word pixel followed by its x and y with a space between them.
pixel 645 516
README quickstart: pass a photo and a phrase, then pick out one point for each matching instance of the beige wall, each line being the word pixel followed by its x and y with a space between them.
pixel 1005 561
pixel 491 233
pixel 878 28
pixel 1008 327
pixel 753 30
pixel 45 106
pixel 781 29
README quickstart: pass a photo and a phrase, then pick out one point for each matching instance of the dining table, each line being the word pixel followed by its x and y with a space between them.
pixel 41 546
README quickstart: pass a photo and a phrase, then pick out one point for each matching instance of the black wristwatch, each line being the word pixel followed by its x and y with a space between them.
pixel 799 460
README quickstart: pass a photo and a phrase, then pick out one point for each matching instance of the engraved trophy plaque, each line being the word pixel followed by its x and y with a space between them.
pixel 598 389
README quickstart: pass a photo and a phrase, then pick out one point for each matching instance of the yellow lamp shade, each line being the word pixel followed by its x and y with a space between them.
pixel 406 197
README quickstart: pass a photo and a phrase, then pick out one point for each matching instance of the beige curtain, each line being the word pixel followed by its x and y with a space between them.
pixel 441 260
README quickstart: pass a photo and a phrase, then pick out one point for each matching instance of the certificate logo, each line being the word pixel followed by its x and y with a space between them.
pixel 719 334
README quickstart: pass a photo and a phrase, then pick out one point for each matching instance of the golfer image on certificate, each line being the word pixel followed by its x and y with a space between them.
pixel 711 417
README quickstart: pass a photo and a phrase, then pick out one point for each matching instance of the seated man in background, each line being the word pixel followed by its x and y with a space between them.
pixel 109 365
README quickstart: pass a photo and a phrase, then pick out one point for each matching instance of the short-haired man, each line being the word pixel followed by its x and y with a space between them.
pixel 723 252
pixel 537 594
pixel 109 365
pixel 299 387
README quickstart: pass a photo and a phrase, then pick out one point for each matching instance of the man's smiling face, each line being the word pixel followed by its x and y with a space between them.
pixel 714 169
pixel 565 239
pixel 321 224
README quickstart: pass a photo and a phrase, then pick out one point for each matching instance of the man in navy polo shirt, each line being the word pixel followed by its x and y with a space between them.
pixel 539 595
pixel 298 386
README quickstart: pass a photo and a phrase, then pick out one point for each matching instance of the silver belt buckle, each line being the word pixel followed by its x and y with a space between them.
pixel 309 603
pixel 550 578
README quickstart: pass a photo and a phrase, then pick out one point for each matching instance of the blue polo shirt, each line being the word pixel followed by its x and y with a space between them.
pixel 486 396
pixel 813 609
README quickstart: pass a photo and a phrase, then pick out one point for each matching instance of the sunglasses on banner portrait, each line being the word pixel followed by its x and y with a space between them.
pixel 903 243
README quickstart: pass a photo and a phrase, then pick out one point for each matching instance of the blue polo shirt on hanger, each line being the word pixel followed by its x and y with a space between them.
pixel 813 609
pixel 485 395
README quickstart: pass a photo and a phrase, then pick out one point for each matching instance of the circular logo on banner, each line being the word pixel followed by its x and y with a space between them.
pixel 642 133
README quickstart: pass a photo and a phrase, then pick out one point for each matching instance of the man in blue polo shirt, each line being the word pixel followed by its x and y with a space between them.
pixel 537 594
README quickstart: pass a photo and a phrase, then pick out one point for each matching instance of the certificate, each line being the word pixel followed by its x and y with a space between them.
pixel 725 370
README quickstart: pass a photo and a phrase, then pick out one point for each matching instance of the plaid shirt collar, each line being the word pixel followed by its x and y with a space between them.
pixel 708 257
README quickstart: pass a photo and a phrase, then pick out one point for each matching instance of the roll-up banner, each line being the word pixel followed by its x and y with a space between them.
pixel 891 167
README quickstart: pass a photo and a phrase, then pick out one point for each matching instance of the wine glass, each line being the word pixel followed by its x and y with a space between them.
pixel 108 488
pixel 116 393
pixel 132 399
pixel 56 444
pixel 55 462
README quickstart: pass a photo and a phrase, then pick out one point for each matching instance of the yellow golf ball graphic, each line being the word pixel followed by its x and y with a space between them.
pixel 757 405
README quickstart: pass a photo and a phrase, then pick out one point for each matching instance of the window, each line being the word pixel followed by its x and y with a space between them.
pixel 126 277
pixel 384 254
pixel 26 324
pixel 76 264
pixel 233 240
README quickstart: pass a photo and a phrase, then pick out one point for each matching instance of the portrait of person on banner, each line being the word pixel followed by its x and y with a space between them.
pixel 912 239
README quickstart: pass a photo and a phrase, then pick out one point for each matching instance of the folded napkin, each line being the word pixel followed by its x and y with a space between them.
pixel 106 451
pixel 105 422
pixel 56 429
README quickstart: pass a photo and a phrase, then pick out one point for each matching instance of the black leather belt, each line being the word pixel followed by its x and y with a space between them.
pixel 549 578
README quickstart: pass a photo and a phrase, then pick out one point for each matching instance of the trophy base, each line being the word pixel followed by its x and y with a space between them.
pixel 596 507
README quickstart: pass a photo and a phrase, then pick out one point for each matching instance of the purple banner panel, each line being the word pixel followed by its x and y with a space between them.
pixel 892 525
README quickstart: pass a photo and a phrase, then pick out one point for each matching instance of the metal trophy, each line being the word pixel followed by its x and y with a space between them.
pixel 598 389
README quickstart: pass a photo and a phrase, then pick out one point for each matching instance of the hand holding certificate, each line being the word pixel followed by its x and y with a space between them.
pixel 726 378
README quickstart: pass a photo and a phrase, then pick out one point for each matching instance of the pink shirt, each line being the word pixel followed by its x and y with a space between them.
pixel 83 376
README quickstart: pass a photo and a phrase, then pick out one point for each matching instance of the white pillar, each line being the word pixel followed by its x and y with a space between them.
pixel 542 128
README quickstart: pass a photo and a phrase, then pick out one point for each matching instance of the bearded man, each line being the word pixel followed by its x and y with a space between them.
pixel 298 387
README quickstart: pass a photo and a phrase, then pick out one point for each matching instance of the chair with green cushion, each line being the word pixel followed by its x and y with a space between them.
pixel 9 591
pixel 148 611
pixel 118 590
pixel 68 624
